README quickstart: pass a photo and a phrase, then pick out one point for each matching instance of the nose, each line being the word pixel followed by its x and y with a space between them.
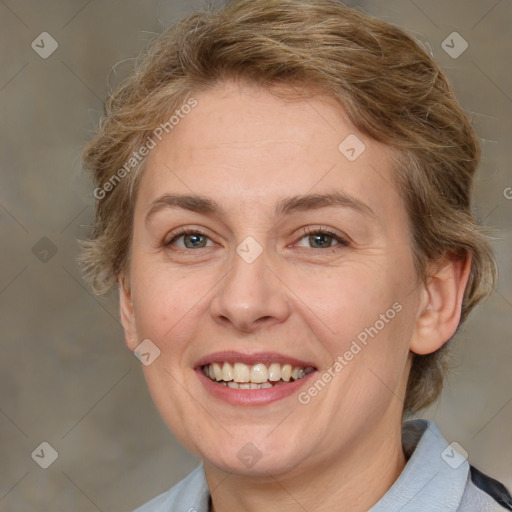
pixel 250 297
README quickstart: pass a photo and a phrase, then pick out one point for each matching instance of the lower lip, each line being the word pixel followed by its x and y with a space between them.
pixel 262 396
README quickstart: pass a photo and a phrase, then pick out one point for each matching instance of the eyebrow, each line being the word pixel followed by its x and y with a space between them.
pixel 286 206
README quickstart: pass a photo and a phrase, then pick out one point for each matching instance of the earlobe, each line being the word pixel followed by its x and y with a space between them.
pixel 126 313
pixel 440 309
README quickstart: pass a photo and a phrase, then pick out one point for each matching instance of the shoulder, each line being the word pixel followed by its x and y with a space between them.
pixel 189 495
pixel 437 477
pixel 486 493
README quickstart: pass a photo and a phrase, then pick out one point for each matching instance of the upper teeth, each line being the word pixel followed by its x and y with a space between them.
pixel 258 373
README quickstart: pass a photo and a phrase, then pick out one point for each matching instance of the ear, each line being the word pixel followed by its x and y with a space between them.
pixel 126 313
pixel 440 305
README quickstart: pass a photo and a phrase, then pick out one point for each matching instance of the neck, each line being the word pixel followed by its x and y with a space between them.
pixel 353 480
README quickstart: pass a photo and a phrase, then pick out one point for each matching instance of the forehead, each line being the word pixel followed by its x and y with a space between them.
pixel 244 142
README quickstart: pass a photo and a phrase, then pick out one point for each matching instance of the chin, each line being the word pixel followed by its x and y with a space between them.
pixel 254 459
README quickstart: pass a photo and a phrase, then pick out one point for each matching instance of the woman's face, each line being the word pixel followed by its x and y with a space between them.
pixel 296 253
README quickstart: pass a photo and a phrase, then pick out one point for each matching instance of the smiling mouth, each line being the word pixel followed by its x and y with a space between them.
pixel 258 376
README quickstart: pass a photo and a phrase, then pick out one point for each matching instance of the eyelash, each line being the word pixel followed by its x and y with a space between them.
pixel 308 231
pixel 183 232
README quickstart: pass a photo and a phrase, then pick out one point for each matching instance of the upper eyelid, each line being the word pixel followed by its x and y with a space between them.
pixel 183 232
pixel 341 237
pixel 311 229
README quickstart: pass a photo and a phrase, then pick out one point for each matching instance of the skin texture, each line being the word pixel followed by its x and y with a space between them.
pixel 247 149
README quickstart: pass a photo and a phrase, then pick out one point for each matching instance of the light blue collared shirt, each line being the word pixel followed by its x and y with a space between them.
pixel 435 479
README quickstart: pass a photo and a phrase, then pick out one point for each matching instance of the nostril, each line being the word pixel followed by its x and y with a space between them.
pixel 244 321
pixel 263 320
pixel 224 319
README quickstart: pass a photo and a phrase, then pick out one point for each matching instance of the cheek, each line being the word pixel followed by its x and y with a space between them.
pixel 171 308
pixel 364 324
pixel 161 301
pixel 166 311
pixel 369 364
pixel 343 301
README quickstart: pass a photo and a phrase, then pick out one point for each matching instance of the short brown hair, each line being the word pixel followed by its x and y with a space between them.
pixel 390 87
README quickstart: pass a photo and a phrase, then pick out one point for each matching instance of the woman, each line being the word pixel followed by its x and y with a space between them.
pixel 283 199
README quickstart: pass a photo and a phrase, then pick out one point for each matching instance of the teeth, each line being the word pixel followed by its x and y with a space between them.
pixel 274 372
pixel 227 372
pixel 259 373
pixel 217 372
pixel 246 385
pixel 286 372
pixel 241 373
pixel 297 373
pixel 258 376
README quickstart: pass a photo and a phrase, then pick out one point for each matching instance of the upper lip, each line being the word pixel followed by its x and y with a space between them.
pixel 231 356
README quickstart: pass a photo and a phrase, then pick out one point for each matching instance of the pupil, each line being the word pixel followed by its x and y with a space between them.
pixel 195 241
pixel 320 240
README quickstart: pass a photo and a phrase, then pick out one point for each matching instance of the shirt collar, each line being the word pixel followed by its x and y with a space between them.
pixel 434 477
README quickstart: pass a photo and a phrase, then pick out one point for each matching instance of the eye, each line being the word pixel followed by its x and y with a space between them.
pixel 321 238
pixel 189 239
pixel 314 238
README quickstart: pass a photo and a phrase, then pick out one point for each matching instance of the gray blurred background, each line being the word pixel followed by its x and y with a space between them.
pixel 65 376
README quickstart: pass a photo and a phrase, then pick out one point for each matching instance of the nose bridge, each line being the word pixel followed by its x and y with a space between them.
pixel 250 295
